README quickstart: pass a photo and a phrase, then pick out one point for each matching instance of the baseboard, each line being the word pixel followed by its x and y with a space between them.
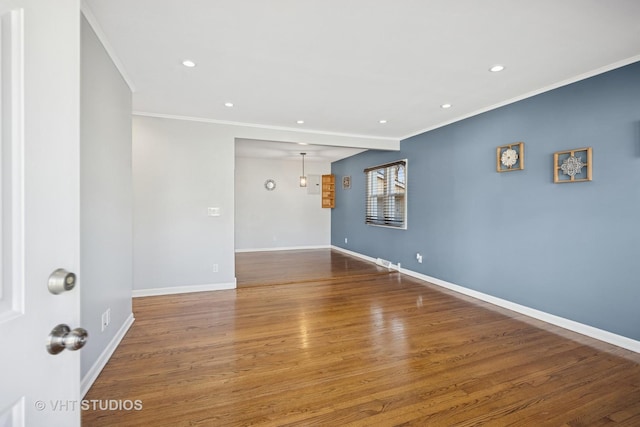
pixel 90 377
pixel 590 331
pixel 355 254
pixel 392 266
pixel 285 248
pixel 183 289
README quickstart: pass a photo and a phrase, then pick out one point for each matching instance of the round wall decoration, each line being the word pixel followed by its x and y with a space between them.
pixel 509 157
pixel 270 185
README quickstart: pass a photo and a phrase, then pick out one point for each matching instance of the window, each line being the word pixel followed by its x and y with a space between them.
pixel 387 195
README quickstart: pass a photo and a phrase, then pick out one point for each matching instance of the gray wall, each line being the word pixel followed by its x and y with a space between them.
pixel 181 167
pixel 106 198
pixel 566 249
pixel 287 217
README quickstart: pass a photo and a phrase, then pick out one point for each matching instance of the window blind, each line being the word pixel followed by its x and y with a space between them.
pixel 386 190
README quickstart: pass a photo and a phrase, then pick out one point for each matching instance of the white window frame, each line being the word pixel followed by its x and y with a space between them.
pixel 386 195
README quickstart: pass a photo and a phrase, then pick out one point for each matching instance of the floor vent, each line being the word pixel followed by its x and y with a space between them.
pixel 383 263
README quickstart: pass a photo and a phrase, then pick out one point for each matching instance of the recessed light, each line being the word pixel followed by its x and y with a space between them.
pixel 300 122
pixel 188 63
pixel 445 106
pixel 228 104
pixel 382 121
pixel 496 68
pixel 302 143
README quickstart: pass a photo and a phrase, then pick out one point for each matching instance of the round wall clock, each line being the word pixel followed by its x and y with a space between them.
pixel 270 185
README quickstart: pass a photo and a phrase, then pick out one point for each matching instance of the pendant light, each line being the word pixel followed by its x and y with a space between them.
pixel 303 177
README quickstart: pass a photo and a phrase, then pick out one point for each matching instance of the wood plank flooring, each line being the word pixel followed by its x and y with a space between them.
pixel 284 267
pixel 372 349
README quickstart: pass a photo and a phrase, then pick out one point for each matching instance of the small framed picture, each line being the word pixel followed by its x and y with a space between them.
pixel 510 157
pixel 346 182
pixel 573 165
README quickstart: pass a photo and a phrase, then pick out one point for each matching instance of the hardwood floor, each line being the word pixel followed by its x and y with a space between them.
pixel 373 349
pixel 284 267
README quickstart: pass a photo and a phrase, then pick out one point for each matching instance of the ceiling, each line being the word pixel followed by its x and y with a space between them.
pixel 288 151
pixel 341 66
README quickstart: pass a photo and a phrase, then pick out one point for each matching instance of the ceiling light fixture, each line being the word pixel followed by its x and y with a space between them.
pixel 188 63
pixel 300 122
pixel 496 68
pixel 303 177
pixel 228 104
pixel 382 121
pixel 445 106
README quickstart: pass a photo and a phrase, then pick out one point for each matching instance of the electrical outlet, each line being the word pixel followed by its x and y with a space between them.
pixel 215 268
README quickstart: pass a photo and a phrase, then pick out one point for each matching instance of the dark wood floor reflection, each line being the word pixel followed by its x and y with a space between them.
pixel 283 267
pixel 363 350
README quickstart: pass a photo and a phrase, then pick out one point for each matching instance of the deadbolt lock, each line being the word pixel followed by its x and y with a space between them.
pixel 60 281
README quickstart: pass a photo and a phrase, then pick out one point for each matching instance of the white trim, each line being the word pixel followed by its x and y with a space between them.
pixel 91 19
pixel 388 226
pixel 356 254
pixel 136 293
pixel 91 376
pixel 285 248
pixel 259 126
pixel 14 414
pixel 18 256
pixel 12 305
pixel 551 87
pixel 392 266
pixel 590 331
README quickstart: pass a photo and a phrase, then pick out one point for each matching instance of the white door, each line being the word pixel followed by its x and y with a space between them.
pixel 40 123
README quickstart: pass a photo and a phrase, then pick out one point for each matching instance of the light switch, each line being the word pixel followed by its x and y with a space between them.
pixel 213 211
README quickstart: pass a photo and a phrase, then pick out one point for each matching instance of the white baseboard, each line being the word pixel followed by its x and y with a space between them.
pixel 183 289
pixel 590 331
pixel 286 248
pixel 90 377
pixel 392 266
pixel 356 254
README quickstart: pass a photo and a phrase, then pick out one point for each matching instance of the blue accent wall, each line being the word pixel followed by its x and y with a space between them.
pixel 572 250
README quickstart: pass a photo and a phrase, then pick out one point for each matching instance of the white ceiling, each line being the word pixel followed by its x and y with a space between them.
pixel 288 151
pixel 343 65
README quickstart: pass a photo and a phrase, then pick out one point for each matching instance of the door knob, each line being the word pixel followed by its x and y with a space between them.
pixel 61 280
pixel 62 337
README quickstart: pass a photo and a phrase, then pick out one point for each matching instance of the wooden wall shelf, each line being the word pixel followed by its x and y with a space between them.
pixel 328 191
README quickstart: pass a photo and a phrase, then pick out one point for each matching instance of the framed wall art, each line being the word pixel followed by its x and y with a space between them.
pixel 510 157
pixel 346 182
pixel 573 165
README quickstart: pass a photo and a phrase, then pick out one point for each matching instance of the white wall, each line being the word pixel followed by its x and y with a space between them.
pixel 287 217
pixel 106 197
pixel 181 167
